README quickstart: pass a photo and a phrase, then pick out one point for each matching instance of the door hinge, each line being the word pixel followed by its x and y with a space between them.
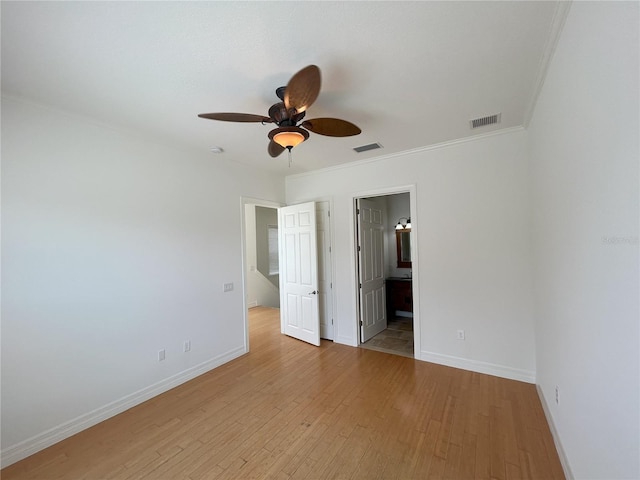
pixel 358 247
pixel 357 211
pixel 360 322
pixel 328 213
pixel 331 285
pixel 332 321
pixel 329 248
pixel 360 285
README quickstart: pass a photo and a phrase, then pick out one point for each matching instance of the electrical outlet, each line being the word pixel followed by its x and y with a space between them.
pixel 460 335
pixel 161 355
pixel 557 394
pixel 187 346
pixel 227 287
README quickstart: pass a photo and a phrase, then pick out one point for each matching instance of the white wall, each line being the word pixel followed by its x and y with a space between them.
pixel 584 169
pixel 113 248
pixel 252 286
pixel 265 217
pixel 472 225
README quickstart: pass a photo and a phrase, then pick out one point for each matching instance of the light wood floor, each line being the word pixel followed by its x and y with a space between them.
pixel 290 410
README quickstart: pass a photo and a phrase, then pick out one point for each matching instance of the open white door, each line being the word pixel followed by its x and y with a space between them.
pixel 299 272
pixel 373 315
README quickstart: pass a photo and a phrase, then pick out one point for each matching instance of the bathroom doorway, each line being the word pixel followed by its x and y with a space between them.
pixel 385 273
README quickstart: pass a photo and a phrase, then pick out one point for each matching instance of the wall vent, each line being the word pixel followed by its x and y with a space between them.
pixel 484 121
pixel 364 148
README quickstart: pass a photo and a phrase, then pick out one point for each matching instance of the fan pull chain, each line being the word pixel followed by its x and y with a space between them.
pixel 290 160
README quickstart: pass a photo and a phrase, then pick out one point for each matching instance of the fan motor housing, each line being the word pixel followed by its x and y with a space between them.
pixel 283 117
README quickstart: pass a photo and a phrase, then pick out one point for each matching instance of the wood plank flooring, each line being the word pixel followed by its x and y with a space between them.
pixel 288 410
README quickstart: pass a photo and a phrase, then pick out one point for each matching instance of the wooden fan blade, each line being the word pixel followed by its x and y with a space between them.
pixel 303 89
pixel 331 127
pixel 275 149
pixel 236 117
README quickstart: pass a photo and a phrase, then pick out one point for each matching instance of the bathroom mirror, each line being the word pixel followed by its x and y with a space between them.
pixel 403 243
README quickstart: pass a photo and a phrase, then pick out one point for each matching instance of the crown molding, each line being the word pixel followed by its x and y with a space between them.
pixel 435 146
pixel 557 25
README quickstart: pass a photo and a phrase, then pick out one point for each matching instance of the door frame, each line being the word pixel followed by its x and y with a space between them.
pixel 411 189
pixel 332 265
pixel 258 202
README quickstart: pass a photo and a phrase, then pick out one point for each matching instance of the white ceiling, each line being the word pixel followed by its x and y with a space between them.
pixel 409 74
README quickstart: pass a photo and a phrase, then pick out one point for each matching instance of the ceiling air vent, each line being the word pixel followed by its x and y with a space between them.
pixel 484 121
pixel 364 148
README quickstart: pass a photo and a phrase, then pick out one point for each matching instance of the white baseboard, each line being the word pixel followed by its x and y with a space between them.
pixel 21 450
pixel 564 461
pixel 480 367
pixel 344 340
pixel 252 304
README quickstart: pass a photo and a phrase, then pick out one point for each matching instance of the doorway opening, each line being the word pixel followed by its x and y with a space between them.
pixel 272 265
pixel 260 278
pixel 384 270
pixel 261 251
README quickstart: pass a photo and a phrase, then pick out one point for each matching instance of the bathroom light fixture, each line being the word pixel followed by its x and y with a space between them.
pixel 404 226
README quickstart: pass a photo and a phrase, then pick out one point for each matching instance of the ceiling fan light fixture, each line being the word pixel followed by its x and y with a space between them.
pixel 288 137
pixel 301 91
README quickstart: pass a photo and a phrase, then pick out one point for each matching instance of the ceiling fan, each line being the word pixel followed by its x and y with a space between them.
pixel 301 91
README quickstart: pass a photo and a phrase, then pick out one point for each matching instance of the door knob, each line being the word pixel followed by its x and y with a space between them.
pixel 312 293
